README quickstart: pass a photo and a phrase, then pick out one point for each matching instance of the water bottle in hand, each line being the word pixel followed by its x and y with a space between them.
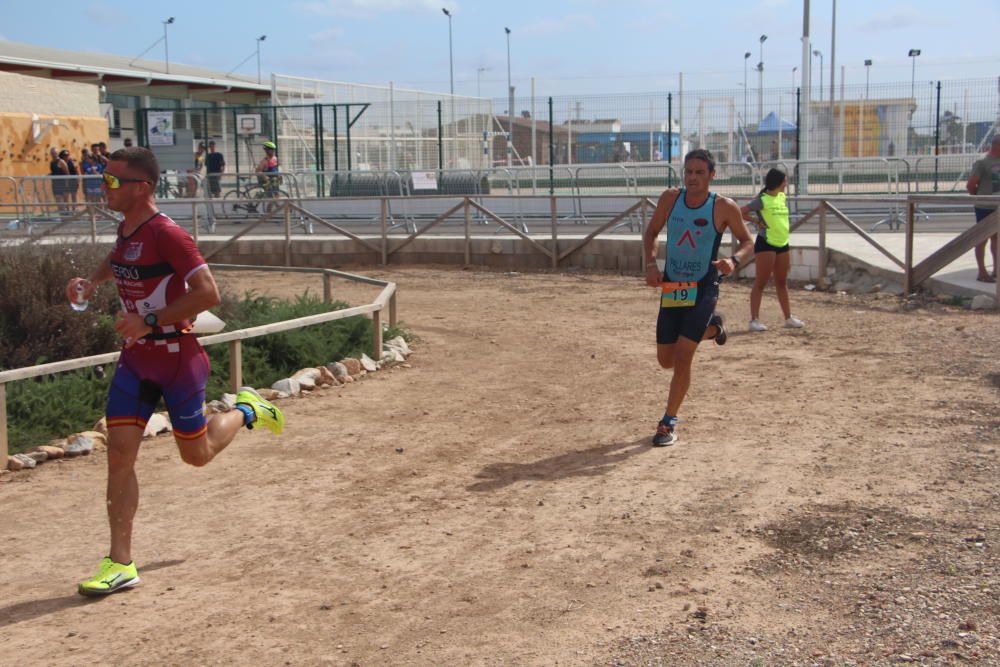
pixel 80 303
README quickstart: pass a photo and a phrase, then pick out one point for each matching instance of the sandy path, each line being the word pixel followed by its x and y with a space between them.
pixel 821 476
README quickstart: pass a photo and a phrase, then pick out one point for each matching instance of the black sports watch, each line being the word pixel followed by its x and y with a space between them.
pixel 151 320
pixel 735 260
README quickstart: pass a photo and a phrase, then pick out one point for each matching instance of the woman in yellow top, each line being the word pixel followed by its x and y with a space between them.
pixel 771 248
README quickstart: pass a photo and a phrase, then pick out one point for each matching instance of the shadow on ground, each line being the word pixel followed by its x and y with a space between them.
pixel 32 609
pixel 582 463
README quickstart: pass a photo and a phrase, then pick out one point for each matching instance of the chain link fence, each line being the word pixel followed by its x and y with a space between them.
pixel 917 136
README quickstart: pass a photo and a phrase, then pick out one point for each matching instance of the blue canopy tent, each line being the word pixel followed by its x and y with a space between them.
pixel 771 124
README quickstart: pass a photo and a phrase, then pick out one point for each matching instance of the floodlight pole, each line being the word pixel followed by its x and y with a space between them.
pixel 259 40
pixel 746 62
pixel 166 49
pixel 451 56
pixel 805 106
pixel 760 94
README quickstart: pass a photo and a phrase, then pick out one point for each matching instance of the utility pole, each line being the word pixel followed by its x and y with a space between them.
pixel 833 77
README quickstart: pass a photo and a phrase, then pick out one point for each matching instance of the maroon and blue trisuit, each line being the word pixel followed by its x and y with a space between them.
pixel 151 267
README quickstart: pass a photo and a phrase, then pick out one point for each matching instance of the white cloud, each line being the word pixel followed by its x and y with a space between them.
pixel 370 8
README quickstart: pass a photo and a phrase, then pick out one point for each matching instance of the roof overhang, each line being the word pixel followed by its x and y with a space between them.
pixel 138 82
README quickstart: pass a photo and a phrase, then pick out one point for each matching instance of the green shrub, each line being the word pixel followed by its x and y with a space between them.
pixel 38 326
pixel 36 323
pixel 270 358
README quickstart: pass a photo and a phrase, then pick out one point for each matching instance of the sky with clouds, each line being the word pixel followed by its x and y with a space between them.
pixel 580 47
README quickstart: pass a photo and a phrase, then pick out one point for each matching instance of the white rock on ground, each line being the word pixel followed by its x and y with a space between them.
pixel 38 456
pixel 78 444
pixel 158 423
pixel 311 373
pixel 338 369
pixel 399 343
pixel 982 302
pixel 288 386
pixel 368 363
pixel 24 460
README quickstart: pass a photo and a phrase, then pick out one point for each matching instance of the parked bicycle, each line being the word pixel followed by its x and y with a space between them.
pixel 251 197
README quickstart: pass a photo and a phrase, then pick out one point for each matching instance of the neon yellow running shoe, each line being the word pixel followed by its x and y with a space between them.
pixel 111 577
pixel 267 414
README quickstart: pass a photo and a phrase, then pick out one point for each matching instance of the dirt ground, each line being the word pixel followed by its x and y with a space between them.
pixel 833 499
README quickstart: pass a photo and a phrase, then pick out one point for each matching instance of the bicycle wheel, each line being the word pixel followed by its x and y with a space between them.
pixel 233 205
pixel 272 202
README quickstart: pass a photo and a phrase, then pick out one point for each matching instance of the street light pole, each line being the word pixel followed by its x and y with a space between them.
pixel 794 70
pixel 510 105
pixel 760 94
pixel 746 62
pixel 913 75
pixel 510 89
pixel 451 58
pixel 166 49
pixel 259 40
pixel 868 66
pixel 479 72
pixel 819 54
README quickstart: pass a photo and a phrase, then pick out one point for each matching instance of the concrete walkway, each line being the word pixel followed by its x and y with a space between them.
pixel 958 278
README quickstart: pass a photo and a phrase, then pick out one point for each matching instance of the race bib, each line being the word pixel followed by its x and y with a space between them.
pixel 678 295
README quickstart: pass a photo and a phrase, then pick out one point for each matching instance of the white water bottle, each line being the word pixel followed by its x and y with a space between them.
pixel 80 303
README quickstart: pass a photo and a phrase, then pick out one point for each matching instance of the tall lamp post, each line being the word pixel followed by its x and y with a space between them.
pixel 510 105
pixel 760 69
pixel 259 40
pixel 913 75
pixel 868 67
pixel 166 50
pixel 451 58
pixel 819 54
pixel 794 70
pixel 746 62
pixel 479 72
pixel 510 89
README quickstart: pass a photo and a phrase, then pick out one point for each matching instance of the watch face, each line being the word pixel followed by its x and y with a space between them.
pixel 150 320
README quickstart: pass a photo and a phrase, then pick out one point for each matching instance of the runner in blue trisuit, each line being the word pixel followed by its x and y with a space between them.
pixel 689 283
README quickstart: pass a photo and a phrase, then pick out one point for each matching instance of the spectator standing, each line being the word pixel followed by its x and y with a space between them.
pixel 57 169
pixel 771 248
pixel 91 169
pixel 215 165
pixel 72 186
pixel 985 180
pixel 195 173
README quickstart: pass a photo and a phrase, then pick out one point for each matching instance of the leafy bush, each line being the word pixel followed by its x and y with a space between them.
pixel 36 326
pixel 36 323
pixel 270 358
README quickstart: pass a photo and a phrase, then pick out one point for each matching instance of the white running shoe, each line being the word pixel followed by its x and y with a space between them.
pixel 757 325
pixel 794 323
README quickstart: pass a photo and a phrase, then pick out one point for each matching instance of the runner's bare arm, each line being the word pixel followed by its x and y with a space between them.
pixel 663 207
pixel 728 214
pixel 202 294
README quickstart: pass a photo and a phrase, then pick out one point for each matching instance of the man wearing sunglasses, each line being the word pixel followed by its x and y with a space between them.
pixel 163 283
